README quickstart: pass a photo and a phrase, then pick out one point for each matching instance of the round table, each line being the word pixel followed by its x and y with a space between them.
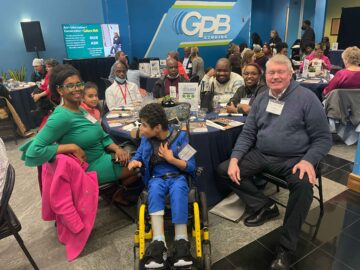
pixel 213 147
pixel 24 103
pixel 316 87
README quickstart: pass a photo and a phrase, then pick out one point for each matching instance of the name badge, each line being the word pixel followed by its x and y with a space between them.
pixel 245 101
pixel 187 152
pixel 91 118
pixel 275 106
pixel 172 91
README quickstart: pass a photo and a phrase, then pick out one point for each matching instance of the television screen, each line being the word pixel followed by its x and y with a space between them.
pixel 91 40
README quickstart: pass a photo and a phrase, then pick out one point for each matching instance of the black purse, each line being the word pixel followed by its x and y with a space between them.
pixel 206 97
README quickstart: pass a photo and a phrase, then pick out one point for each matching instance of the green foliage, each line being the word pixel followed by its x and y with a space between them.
pixel 311 69
pixel 17 74
pixel 4 76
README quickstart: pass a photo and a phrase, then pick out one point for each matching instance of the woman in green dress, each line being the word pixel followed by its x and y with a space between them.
pixel 72 130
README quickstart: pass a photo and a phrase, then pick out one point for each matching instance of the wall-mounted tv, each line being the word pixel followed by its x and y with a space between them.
pixel 91 40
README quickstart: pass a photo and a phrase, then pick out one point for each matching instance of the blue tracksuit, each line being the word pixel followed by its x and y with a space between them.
pixel 176 186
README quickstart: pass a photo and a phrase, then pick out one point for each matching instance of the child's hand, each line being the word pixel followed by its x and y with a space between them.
pixel 134 164
pixel 166 153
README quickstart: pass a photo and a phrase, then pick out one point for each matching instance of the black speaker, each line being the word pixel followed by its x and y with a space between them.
pixel 33 37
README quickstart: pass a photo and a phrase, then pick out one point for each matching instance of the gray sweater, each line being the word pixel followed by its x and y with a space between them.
pixel 301 130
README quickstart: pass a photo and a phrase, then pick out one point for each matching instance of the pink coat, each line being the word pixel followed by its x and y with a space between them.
pixel 70 196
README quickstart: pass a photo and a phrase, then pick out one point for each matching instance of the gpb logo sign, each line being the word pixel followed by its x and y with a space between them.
pixel 193 23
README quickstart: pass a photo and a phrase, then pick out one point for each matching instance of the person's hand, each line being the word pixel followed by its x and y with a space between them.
pixel 35 97
pixel 134 164
pixel 122 156
pixel 245 108
pixel 305 167
pixel 211 73
pixel 166 153
pixel 231 108
pixel 79 153
pixel 234 171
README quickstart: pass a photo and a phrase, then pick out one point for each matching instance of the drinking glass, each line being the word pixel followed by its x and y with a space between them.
pixel 201 114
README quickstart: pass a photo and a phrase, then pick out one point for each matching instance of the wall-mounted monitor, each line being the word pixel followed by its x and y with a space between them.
pixel 91 40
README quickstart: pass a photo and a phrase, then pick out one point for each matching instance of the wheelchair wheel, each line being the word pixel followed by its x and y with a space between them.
pixel 206 256
pixel 197 230
pixel 141 227
pixel 136 258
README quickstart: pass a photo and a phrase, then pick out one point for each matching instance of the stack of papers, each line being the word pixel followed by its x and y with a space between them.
pixel 223 123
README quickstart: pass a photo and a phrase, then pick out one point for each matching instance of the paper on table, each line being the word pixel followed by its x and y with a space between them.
pixel 112 115
pixel 115 125
pixel 230 114
pixel 123 108
pixel 212 124
pixel 235 123
pixel 129 127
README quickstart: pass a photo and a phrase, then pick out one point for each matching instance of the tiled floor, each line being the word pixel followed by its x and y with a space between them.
pixel 234 246
pixel 331 242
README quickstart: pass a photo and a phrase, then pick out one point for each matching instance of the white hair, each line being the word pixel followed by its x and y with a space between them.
pixel 281 60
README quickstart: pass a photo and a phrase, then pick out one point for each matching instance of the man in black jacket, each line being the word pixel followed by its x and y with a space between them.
pixel 308 37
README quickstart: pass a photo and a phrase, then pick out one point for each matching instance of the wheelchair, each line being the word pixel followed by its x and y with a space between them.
pixel 197 224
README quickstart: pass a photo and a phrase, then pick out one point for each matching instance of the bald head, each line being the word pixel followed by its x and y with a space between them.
pixel 223 70
pixel 223 61
pixel 172 67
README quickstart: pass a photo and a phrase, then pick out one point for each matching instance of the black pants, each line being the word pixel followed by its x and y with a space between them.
pixel 301 191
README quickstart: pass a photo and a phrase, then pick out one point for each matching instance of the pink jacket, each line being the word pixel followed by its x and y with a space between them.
pixel 323 58
pixel 70 196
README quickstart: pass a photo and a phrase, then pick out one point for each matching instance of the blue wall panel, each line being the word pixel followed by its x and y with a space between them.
pixel 51 16
pixel 278 21
pixel 319 19
pixel 261 18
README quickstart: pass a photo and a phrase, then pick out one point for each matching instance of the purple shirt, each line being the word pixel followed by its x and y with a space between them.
pixel 344 79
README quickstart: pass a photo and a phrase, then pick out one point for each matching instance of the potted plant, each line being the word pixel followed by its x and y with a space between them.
pixel 311 72
pixel 168 102
pixel 17 74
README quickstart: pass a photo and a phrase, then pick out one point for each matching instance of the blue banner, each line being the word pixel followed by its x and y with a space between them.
pixel 199 23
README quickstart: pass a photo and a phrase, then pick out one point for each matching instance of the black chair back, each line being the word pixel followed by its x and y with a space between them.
pixel 7 191
pixel 107 82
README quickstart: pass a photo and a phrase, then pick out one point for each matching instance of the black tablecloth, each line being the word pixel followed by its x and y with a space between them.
pixel 213 147
pixel 93 69
pixel 23 104
pixel 335 58
pixel 147 83
pixel 317 88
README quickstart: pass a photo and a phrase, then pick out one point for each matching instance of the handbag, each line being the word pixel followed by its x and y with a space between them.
pixel 206 97
pixel 179 112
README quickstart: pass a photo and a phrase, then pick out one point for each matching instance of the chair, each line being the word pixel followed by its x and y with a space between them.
pixel 106 81
pixel 198 223
pixel 108 190
pixel 279 182
pixel 8 128
pixel 9 224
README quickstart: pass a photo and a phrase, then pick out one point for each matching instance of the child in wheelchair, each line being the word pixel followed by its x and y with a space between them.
pixel 164 172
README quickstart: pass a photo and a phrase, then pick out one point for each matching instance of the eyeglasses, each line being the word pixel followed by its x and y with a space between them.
pixel 73 86
pixel 279 72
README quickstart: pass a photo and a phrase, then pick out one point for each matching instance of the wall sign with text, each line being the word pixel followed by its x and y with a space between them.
pixel 199 23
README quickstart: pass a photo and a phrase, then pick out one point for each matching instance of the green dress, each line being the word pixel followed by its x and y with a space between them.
pixel 66 127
